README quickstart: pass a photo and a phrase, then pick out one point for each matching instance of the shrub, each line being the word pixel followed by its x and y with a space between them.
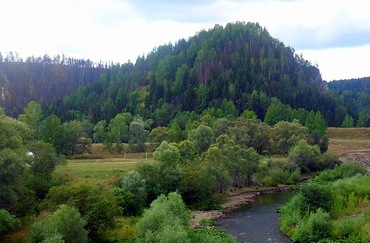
pixel 126 201
pixel 290 214
pixel 136 186
pixel 273 173
pixel 306 157
pixel 96 204
pixel 8 222
pixel 329 161
pixel 316 227
pixel 207 222
pixel 351 230
pixel 346 170
pixel 211 236
pixel 165 221
pixel 199 186
pixel 64 225
pixel 316 196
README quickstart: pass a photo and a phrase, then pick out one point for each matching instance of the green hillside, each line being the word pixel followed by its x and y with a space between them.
pixel 238 63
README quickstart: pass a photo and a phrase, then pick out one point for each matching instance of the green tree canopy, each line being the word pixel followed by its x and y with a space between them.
pixel 13 134
pixel 286 135
pixel 165 221
pixel 348 121
pixel 34 116
pixel 277 112
pixel 137 136
pixel 65 224
pixel 306 157
pixel 202 137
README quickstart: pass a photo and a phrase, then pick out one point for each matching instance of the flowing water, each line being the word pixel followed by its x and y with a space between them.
pixel 257 222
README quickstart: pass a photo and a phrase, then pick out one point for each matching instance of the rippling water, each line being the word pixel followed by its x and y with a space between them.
pixel 257 222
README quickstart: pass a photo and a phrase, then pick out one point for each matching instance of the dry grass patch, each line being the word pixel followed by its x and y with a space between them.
pixel 361 133
pixel 344 140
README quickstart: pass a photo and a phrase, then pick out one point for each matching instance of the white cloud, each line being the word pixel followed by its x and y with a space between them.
pixel 118 30
pixel 341 63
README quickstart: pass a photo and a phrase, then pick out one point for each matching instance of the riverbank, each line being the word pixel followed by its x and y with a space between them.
pixel 233 199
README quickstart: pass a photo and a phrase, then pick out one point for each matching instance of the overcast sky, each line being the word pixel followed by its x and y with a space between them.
pixel 334 34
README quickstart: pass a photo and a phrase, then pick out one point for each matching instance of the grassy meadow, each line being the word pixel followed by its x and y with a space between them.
pixel 102 165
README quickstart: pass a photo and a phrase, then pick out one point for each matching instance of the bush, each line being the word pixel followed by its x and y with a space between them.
pixel 306 157
pixel 96 204
pixel 64 225
pixel 316 227
pixel 165 221
pixel 126 201
pixel 343 171
pixel 274 173
pixel 210 236
pixel 329 161
pixel 315 196
pixel 207 222
pixel 199 186
pixel 351 230
pixel 8 222
pixel 136 186
pixel 290 214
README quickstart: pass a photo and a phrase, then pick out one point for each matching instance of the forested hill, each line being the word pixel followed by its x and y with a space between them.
pixel 42 79
pixel 358 85
pixel 239 63
pixel 354 94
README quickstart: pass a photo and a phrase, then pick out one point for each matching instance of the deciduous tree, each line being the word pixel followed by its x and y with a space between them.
pixel 202 137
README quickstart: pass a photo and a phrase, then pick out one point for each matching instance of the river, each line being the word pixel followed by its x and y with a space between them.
pixel 257 222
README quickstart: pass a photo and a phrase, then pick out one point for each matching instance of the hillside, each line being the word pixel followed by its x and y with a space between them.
pixel 353 85
pixel 354 94
pixel 239 63
pixel 42 80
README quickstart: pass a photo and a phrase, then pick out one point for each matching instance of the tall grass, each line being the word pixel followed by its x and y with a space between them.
pixel 347 220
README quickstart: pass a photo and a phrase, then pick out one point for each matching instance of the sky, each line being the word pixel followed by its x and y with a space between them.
pixel 333 34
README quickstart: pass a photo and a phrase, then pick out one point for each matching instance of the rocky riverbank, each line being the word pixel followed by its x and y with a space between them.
pixel 234 199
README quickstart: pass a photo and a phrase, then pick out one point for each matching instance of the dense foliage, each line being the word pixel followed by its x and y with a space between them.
pixel 354 94
pixel 64 225
pixel 331 208
pixel 8 222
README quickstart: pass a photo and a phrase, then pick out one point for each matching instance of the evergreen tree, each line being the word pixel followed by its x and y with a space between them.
pixel 348 121
pixel 362 120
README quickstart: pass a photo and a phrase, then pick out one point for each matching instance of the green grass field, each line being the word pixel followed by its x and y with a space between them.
pixel 99 169
pixel 102 165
